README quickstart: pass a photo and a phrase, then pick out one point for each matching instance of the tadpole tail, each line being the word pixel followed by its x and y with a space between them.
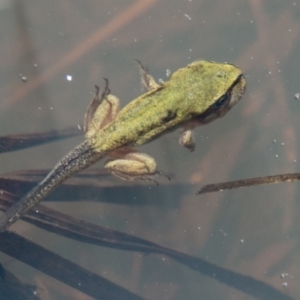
pixel 78 159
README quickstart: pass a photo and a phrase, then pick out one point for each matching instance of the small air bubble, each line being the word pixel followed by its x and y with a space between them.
pixel 23 78
pixel 69 77
pixel 188 17
pixel 297 96
pixel 283 275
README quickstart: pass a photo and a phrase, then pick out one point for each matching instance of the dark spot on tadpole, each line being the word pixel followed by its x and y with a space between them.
pixel 170 116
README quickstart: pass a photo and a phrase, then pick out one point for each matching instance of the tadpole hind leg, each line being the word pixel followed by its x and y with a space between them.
pixel 132 166
pixel 147 80
pixel 102 110
pixel 97 100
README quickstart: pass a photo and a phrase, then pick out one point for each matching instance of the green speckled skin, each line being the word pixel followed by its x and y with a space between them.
pixel 194 95
pixel 189 92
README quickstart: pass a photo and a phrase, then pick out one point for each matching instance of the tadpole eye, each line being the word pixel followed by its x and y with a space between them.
pixel 223 100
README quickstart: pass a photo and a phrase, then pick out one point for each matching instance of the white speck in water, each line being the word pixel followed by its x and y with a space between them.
pixel 274 141
pixel 168 72
pixel 188 17
pixel 35 65
pixel 295 160
pixel 276 155
pixel 39 108
pixel 199 228
pixel 160 80
pixel 69 77
pixel 282 144
pixel 297 96
pixel 242 241
pixel 23 78
pixel 285 284
pixel 79 127
pixel 223 232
